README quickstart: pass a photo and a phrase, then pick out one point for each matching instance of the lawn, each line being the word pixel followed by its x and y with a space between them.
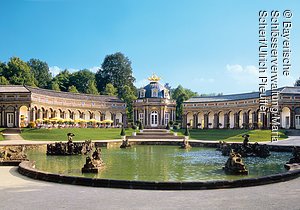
pixel 234 135
pixel 1 136
pixel 80 134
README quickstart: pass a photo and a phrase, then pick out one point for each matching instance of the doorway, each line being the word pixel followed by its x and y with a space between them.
pixel 10 120
pixel 154 119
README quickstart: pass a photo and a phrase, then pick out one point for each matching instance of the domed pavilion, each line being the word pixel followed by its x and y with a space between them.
pixel 154 108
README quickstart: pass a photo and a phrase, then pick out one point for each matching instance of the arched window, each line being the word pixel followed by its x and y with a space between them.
pixel 154 93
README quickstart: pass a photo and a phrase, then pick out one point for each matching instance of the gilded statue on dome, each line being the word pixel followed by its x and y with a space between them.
pixel 154 78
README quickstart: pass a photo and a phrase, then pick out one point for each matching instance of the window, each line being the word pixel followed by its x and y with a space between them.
pixel 142 93
pixel 154 93
pixel 141 117
pixel 167 118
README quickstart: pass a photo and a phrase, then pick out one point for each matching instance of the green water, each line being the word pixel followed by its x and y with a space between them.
pixel 159 163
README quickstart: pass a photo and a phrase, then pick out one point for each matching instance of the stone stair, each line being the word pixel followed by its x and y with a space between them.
pixel 155 134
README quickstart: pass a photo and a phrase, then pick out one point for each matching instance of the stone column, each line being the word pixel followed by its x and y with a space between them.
pixel 195 120
pixel 17 117
pixel 236 120
pixel 216 121
pixel 32 115
pixel 292 119
pixel 114 119
pixel 3 116
pixel 205 121
pixel 226 119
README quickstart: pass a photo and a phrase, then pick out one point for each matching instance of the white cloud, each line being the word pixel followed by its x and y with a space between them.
pixel 94 69
pixel 247 75
pixel 54 70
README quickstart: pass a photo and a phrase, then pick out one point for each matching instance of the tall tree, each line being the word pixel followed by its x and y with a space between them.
pixel 3 81
pixel 55 86
pixel 62 79
pixel 128 95
pixel 18 72
pixel 72 89
pixel 110 90
pixel 297 83
pixel 2 68
pixel 181 94
pixel 91 88
pixel 116 69
pixel 81 80
pixel 41 72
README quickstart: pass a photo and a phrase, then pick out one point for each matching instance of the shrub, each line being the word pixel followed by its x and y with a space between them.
pixel 134 127
pixel 123 132
pixel 141 126
pixel 187 133
pixel 168 127
pixel 176 127
pixel 31 124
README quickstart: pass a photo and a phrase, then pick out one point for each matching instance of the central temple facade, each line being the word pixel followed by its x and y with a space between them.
pixel 154 108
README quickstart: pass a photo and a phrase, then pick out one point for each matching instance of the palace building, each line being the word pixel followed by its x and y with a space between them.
pixel 154 108
pixel 242 110
pixel 23 104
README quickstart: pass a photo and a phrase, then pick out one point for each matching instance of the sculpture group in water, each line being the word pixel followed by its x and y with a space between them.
pixel 70 148
pixel 245 149
pixel 13 153
pixel 125 144
pixel 235 165
pixel 93 163
pixel 294 162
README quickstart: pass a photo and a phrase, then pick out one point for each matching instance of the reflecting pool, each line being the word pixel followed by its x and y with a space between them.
pixel 159 163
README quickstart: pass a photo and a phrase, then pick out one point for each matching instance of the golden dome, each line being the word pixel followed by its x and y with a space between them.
pixel 154 78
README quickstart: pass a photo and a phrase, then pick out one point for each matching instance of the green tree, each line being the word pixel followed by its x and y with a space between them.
pixel 116 69
pixel 62 79
pixel 55 86
pixel 110 90
pixel 128 95
pixel 72 89
pixel 40 71
pixel 3 67
pixel 91 88
pixel 18 72
pixel 3 81
pixel 297 83
pixel 81 80
pixel 181 94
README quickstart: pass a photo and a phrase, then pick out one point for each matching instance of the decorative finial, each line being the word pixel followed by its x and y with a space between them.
pixel 154 78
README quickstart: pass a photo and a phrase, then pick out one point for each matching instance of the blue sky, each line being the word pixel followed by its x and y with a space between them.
pixel 207 46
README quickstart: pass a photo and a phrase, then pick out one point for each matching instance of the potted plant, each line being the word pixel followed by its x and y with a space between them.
pixel 199 125
pixel 134 127
pixel 123 133
pixel 171 124
pixel 168 127
pixel 228 125
pixel 219 125
pixel 141 126
pixel 186 133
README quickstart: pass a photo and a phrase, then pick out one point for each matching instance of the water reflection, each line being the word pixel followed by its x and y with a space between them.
pixel 159 163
